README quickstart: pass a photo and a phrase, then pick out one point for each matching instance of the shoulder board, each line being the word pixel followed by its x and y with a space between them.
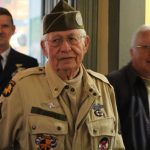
pixel 20 75
pixel 28 72
pixel 98 75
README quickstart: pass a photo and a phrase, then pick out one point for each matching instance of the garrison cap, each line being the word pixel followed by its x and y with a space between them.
pixel 63 17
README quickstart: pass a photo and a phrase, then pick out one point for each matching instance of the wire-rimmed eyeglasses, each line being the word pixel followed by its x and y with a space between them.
pixel 146 47
pixel 71 40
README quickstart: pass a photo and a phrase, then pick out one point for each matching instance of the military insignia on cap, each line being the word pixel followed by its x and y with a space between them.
pixel 79 19
pixel 8 89
pixel 45 142
pixel 62 17
pixel 103 144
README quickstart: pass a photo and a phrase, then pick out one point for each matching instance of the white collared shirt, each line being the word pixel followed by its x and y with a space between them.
pixel 5 56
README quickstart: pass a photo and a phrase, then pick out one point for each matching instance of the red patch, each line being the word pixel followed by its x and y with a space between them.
pixel 103 144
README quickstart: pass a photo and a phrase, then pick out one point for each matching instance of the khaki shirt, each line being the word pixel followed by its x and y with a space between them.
pixel 35 116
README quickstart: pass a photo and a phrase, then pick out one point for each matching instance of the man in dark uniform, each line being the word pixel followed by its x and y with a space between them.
pixel 11 61
pixel 132 89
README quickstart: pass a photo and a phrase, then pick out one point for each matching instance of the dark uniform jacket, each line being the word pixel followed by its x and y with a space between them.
pixel 16 62
pixel 132 102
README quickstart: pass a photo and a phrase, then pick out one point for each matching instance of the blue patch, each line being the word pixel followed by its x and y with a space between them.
pixel 98 110
pixel 97 106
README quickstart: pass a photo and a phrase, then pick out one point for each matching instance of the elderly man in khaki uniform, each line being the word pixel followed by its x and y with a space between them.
pixel 61 106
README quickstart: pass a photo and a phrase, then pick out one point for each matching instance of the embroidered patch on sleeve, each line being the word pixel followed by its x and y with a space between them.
pixel 9 88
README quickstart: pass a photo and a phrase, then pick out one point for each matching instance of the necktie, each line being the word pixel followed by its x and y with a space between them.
pixel 1 68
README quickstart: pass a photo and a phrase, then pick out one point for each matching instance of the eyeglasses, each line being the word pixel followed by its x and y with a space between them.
pixel 72 40
pixel 146 47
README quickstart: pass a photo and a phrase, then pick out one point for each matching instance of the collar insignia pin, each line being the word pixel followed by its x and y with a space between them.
pixel 51 105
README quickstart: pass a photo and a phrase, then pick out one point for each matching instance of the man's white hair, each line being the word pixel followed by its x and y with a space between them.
pixel 141 29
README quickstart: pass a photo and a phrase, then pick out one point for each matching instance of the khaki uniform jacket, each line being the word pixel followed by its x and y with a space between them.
pixel 34 115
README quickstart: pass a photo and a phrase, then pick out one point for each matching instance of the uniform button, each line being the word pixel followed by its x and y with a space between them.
pixel 119 132
pixel 40 69
pixel 90 90
pixel 94 131
pixel 94 94
pixel 67 87
pixel 33 127
pixel 56 89
pixel 72 89
pixel 112 131
pixel 58 128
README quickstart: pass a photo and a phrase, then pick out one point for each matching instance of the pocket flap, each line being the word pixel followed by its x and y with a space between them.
pixel 42 124
pixel 103 126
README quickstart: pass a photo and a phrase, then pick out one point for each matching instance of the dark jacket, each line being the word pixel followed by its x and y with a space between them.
pixel 133 108
pixel 16 62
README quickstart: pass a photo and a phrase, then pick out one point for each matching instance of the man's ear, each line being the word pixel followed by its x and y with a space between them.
pixel 43 46
pixel 131 51
pixel 87 42
pixel 13 29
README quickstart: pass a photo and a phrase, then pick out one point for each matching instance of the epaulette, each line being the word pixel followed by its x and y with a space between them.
pixel 98 75
pixel 20 75
pixel 28 72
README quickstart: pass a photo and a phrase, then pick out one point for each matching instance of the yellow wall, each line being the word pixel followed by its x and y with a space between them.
pixel 102 56
pixel 147 12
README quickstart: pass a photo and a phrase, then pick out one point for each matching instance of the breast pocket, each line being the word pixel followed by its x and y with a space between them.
pixel 47 133
pixel 102 132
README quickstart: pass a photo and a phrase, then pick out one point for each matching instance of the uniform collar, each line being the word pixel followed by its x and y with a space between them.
pixel 56 84
pixel 89 84
pixel 5 53
pixel 133 77
pixel 5 56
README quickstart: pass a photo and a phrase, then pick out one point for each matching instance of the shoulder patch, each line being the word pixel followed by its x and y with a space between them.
pixel 28 72
pixel 9 88
pixel 98 75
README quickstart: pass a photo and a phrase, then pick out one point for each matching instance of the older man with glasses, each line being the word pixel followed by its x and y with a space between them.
pixel 61 106
pixel 132 89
